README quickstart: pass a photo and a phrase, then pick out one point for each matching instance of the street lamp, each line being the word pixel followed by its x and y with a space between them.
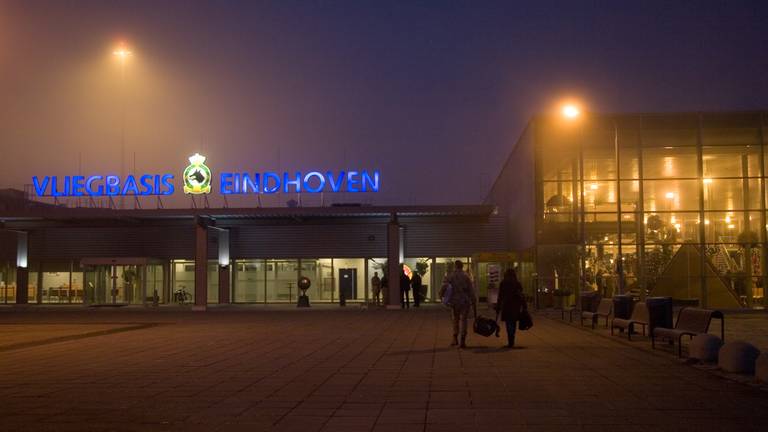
pixel 571 112
pixel 122 53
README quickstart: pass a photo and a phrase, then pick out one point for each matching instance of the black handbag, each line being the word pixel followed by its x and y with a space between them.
pixel 485 326
pixel 526 321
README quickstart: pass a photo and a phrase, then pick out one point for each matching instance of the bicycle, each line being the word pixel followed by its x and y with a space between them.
pixel 181 296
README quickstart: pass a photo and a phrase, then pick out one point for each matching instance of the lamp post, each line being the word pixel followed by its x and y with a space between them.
pixel 572 112
pixel 122 54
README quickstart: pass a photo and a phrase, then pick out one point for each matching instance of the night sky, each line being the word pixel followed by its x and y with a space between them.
pixel 433 94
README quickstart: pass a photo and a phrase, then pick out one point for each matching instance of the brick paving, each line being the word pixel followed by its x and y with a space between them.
pixel 331 369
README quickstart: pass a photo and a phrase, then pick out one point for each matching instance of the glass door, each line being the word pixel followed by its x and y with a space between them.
pixel 114 284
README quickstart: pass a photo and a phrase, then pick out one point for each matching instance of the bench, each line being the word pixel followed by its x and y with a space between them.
pixel 690 322
pixel 639 317
pixel 604 309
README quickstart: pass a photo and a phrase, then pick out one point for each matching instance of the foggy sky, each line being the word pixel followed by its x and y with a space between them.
pixel 433 94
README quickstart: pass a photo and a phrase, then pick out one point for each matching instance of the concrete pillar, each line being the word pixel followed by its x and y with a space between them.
pixel 393 263
pixel 22 285
pixel 224 284
pixel 201 264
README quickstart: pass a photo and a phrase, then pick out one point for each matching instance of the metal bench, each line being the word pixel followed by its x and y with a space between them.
pixel 604 309
pixel 639 317
pixel 690 322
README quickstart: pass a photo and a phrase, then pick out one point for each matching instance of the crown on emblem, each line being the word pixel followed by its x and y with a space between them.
pixel 197 159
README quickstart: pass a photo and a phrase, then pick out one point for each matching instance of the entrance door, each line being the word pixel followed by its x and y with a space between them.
pixel 348 283
pixel 115 284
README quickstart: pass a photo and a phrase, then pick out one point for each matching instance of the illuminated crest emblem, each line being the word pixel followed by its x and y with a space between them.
pixel 197 176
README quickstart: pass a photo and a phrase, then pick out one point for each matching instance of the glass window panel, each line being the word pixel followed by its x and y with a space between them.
pixel 377 266
pixel 76 292
pixel 183 288
pixel 672 227
pixel 731 227
pixel 629 227
pixel 155 286
pixel 600 196
pixel 55 287
pixel 558 165
pixel 213 282
pixel 630 166
pixel 559 197
pixel 423 266
pixel 730 136
pixel 731 194
pixel 657 257
pixel 630 194
pixel 601 218
pixel 669 162
pixel 670 195
pixel 32 285
pixel 250 280
pixel 599 163
pixel 282 276
pixel 320 273
pixel 672 136
pixel 734 161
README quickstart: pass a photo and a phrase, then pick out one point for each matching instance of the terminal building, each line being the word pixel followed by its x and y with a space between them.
pixel 648 204
pixel 643 204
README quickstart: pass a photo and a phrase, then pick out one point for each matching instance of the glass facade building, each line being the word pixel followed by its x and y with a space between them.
pixel 668 204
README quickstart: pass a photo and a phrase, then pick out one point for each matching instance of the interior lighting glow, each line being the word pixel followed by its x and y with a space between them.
pixel 706 221
pixel 670 195
pixel 593 186
pixel 731 226
pixel 707 181
pixel 727 219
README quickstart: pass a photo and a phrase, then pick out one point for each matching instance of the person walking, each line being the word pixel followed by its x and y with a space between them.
pixel 511 304
pixel 462 298
pixel 376 288
pixel 405 287
pixel 416 286
pixel 385 287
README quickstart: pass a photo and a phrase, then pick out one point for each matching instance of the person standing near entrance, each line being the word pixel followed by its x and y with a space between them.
pixel 416 286
pixel 461 300
pixel 511 303
pixel 376 288
pixel 405 287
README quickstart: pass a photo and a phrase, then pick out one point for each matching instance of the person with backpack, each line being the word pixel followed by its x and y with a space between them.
pixel 511 304
pixel 460 299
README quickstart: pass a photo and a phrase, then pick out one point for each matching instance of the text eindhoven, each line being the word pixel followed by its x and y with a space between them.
pixel 197 180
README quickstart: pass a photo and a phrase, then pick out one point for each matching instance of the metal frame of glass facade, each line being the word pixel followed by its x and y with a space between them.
pixel 621 198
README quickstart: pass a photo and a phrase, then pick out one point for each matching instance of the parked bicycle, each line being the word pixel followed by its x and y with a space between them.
pixel 181 296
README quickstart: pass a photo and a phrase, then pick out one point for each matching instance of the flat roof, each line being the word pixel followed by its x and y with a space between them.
pixel 85 213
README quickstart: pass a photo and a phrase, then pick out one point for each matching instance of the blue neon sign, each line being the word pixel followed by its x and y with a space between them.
pixel 230 183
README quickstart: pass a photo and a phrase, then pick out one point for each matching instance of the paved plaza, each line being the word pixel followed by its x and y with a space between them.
pixel 341 369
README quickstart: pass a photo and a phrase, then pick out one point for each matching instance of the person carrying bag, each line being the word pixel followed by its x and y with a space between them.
pixel 512 306
pixel 461 299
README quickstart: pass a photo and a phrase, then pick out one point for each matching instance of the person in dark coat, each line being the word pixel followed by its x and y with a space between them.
pixel 405 287
pixel 511 303
pixel 416 285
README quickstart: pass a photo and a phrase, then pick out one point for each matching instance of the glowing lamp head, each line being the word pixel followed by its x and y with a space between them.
pixel 570 111
pixel 122 53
